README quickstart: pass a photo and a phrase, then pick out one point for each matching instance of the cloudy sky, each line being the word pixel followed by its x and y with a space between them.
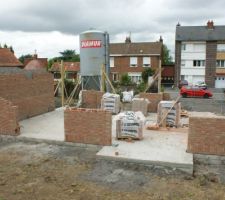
pixel 51 26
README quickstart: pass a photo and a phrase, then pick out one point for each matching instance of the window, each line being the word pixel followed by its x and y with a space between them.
pixel 57 75
pixel 111 62
pixel 183 63
pixel 133 61
pixel 199 47
pixel 146 61
pixel 115 77
pixel 220 47
pixel 198 63
pixel 183 47
pixel 220 63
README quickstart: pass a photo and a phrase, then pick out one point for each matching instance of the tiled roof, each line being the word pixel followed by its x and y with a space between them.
pixel 200 33
pixel 8 59
pixel 69 66
pixel 35 64
pixel 154 48
pixel 42 61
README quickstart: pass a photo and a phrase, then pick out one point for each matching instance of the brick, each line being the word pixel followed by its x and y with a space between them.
pixel 89 126
pixel 32 95
pixel 207 135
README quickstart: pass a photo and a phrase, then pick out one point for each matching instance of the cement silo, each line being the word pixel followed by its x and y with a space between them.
pixel 94 53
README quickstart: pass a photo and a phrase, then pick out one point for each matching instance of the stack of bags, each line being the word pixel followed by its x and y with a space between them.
pixel 173 117
pixel 130 125
pixel 127 96
pixel 140 104
pixel 111 102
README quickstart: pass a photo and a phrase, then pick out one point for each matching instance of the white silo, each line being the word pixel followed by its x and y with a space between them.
pixel 94 52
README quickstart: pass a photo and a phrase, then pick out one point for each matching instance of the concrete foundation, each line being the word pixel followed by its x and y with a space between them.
pixel 160 148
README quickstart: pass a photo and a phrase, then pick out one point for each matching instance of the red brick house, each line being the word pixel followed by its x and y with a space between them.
pixel 8 59
pixel 71 69
pixel 132 58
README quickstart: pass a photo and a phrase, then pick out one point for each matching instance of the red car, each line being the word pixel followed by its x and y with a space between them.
pixel 188 91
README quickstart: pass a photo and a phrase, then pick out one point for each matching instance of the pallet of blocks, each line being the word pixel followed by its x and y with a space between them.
pixel 173 117
pixel 130 125
pixel 111 102
pixel 140 104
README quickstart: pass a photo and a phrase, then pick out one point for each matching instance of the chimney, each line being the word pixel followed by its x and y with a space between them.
pixel 161 39
pixel 128 40
pixel 210 24
pixel 35 56
pixel 178 24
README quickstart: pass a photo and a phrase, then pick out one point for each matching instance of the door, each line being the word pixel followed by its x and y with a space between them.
pixel 220 82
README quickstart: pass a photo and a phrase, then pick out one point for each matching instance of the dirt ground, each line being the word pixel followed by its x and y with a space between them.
pixel 30 171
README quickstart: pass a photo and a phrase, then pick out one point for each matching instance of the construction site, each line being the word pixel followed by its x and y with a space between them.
pixel 99 142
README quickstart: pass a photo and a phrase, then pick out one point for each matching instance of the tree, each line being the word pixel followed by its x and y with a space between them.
pixel 125 79
pixel 8 47
pixel 146 73
pixel 167 58
pixel 23 57
pixel 69 55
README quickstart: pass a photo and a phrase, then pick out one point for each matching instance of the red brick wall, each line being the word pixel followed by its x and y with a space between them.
pixel 91 99
pixel 122 65
pixel 8 118
pixel 154 99
pixel 33 95
pixel 206 135
pixel 89 126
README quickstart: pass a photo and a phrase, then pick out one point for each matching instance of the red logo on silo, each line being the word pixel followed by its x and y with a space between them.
pixel 91 43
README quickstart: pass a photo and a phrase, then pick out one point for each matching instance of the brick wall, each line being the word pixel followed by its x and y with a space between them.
pixel 122 65
pixel 89 126
pixel 8 118
pixel 210 68
pixel 154 99
pixel 32 92
pixel 206 134
pixel 91 99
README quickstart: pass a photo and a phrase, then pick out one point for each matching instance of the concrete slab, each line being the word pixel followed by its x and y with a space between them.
pixel 161 148
pixel 49 126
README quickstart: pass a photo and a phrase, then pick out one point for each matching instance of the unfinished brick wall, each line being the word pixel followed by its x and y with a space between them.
pixel 91 99
pixel 154 99
pixel 8 118
pixel 206 134
pixel 33 94
pixel 89 126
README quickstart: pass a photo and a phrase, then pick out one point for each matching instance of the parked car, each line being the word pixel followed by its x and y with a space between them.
pixel 188 91
pixel 201 84
pixel 182 83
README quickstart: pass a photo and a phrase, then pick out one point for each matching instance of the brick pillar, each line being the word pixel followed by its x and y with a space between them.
pixel 177 62
pixel 210 68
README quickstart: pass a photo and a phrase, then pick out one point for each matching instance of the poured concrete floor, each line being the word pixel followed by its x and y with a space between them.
pixel 158 147
pixel 49 126
pixel 165 148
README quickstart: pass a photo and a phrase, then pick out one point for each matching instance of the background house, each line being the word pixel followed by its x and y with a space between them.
pixel 8 59
pixel 35 63
pixel 132 58
pixel 71 70
pixel 200 54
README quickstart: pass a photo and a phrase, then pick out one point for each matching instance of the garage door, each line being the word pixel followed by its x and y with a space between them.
pixel 220 82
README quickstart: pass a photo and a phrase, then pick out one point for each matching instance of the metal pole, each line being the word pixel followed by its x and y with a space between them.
pixel 160 76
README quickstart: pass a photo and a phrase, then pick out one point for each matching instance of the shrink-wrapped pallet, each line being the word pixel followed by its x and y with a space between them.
pixel 130 125
pixel 173 117
pixel 111 102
